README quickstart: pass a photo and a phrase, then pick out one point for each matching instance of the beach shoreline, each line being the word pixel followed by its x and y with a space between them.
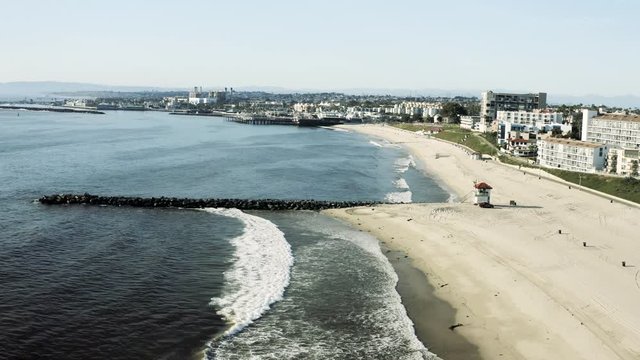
pixel 539 280
pixel 430 314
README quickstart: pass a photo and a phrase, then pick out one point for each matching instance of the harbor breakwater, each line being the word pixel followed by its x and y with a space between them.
pixel 172 202
pixel 50 109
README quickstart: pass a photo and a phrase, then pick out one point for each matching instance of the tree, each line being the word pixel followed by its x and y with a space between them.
pixel 576 126
pixel 634 167
pixel 406 117
pixel 452 111
pixel 556 132
pixel 614 164
pixel 472 108
pixel 417 117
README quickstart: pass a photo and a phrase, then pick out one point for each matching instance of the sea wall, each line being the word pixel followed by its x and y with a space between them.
pixel 242 204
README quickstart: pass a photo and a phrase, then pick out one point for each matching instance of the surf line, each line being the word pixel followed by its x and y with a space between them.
pixel 258 277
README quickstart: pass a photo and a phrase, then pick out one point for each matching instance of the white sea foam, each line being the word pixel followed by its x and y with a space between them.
pixel 401 184
pixel 375 143
pixel 399 197
pixel 395 314
pixel 335 129
pixel 403 164
pixel 290 333
pixel 260 272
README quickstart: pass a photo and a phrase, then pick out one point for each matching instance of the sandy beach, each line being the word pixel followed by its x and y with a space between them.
pixel 540 280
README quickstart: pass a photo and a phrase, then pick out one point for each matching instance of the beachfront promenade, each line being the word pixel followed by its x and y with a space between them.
pixel 540 280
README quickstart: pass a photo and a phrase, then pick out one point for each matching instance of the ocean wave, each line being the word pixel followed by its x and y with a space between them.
pixel 401 184
pixel 399 197
pixel 342 303
pixel 260 272
pixel 384 144
pixel 394 314
pixel 403 164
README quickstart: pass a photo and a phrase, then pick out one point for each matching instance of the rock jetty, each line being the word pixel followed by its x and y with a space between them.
pixel 172 202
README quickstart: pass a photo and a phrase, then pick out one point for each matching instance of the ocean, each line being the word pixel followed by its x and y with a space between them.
pixel 80 282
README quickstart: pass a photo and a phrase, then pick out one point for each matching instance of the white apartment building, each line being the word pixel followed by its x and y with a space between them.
pixel 535 118
pixel 622 131
pixel 621 161
pixel 414 107
pixel 491 103
pixel 473 123
pixel 572 155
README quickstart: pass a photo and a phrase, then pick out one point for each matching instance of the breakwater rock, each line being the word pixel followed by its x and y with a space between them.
pixel 242 204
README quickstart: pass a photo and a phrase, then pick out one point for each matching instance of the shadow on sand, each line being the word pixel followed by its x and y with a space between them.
pixel 497 206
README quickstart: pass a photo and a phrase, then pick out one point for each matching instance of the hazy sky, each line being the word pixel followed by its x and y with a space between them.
pixel 560 46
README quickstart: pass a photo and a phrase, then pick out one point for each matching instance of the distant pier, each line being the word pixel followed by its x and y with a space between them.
pixel 260 119
pixel 49 108
pixel 172 202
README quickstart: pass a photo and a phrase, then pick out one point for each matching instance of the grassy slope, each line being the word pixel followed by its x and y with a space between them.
pixel 626 188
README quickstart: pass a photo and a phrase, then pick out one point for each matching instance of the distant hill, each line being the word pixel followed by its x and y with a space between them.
pixel 46 89
pixel 626 101
pixel 51 89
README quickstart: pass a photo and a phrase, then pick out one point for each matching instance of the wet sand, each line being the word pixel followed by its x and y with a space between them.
pixel 431 316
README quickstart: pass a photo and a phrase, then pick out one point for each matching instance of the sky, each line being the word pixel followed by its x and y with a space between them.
pixel 556 46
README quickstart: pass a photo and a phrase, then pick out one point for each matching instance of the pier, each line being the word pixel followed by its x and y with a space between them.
pixel 264 119
pixel 172 202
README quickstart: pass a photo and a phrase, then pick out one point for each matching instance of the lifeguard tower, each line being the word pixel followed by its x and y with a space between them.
pixel 482 193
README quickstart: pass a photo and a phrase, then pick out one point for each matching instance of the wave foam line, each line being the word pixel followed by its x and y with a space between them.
pixel 401 184
pixel 260 272
pixel 402 165
pixel 399 197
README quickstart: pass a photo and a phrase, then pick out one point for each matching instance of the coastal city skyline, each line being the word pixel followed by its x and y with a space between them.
pixel 565 48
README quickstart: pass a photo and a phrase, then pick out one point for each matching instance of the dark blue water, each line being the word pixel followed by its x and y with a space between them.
pixel 119 283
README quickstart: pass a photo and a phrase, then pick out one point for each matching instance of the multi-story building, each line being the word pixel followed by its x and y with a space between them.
pixel 522 147
pixel 622 131
pixel 624 161
pixel 197 96
pixel 472 123
pixel 491 103
pixel 535 118
pixel 572 155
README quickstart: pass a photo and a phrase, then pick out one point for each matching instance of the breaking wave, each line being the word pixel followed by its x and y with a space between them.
pixel 259 274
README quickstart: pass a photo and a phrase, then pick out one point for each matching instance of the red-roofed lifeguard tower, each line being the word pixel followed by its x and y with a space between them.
pixel 482 193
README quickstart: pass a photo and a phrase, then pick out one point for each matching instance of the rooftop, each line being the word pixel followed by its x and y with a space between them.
pixel 482 185
pixel 634 118
pixel 572 142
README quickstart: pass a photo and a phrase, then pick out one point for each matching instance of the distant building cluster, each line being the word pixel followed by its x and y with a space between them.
pixel 608 143
pixel 198 97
